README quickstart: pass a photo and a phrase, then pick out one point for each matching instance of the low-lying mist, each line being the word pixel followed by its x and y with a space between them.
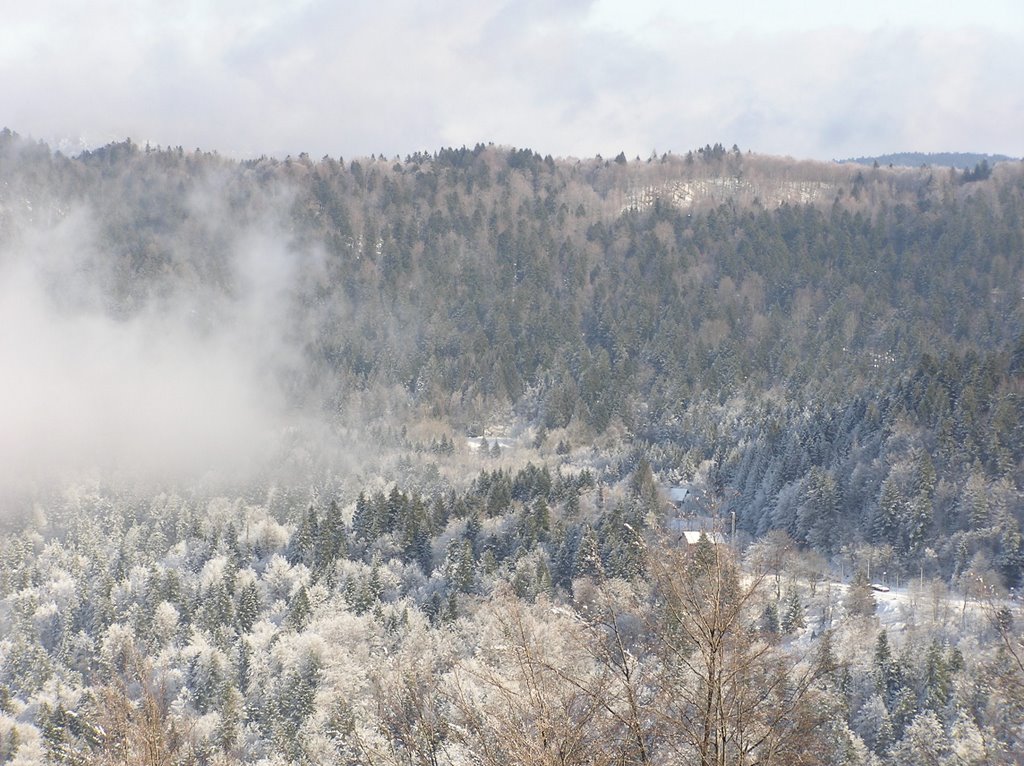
pixel 186 380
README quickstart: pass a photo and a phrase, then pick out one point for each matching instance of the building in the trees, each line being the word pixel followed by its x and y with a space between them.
pixel 680 495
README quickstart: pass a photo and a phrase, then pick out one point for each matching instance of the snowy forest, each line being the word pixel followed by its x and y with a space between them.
pixel 479 456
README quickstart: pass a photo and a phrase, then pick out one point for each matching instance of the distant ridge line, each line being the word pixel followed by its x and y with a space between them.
pixel 959 160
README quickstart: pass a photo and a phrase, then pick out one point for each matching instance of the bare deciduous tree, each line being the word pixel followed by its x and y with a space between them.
pixel 533 695
pixel 729 697
pixel 133 726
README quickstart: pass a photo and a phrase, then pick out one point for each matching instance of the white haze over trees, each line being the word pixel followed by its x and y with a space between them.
pixel 165 384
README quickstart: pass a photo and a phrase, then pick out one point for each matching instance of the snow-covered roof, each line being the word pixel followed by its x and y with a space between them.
pixel 679 494
pixel 692 536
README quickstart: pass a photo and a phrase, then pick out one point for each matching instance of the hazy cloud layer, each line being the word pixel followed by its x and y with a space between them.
pixel 189 381
pixel 574 78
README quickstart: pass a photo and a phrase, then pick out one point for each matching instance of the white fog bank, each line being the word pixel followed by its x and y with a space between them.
pixel 183 386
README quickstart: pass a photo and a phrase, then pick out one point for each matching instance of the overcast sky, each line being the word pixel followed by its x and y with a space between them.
pixel 807 78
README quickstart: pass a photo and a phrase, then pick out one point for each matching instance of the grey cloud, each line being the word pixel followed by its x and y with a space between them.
pixel 360 77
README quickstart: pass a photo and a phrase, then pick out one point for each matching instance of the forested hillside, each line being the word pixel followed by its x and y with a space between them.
pixel 370 458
